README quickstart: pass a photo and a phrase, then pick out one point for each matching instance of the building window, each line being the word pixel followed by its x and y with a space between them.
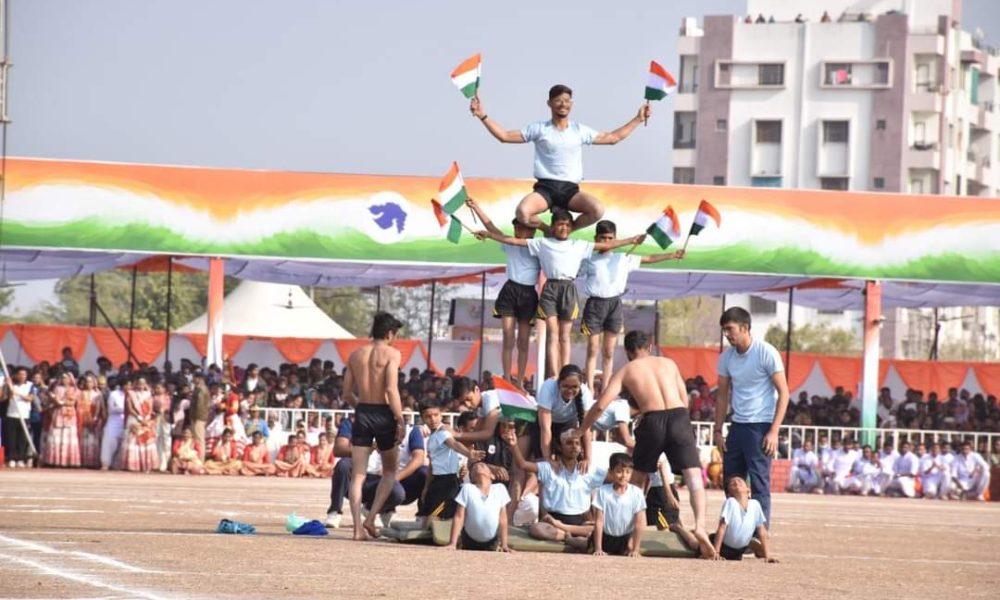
pixel 684 128
pixel 881 76
pixel 719 180
pixel 880 124
pixel 833 183
pixel 879 183
pixel 771 182
pixel 762 306
pixel 689 74
pixel 768 132
pixel 837 74
pixel 835 132
pixel 771 75
pixel 721 124
pixel 684 175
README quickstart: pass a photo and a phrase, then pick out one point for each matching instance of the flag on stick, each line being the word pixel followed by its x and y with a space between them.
pixel 451 192
pixel 514 404
pixel 660 83
pixel 667 229
pixel 466 75
pixel 443 218
pixel 705 212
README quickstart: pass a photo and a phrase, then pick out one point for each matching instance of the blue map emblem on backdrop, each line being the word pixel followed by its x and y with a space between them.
pixel 388 215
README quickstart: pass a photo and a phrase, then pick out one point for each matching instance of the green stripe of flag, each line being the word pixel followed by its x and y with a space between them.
pixel 518 412
pixel 659 236
pixel 454 231
pixel 655 94
pixel 696 228
pixel 470 90
pixel 456 202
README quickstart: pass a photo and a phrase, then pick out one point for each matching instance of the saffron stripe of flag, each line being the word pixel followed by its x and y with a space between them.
pixel 666 229
pixel 466 75
pixel 660 82
pixel 451 193
pixel 705 212
pixel 439 213
pixel 514 404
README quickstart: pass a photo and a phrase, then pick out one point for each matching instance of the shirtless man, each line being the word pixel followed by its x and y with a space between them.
pixel 378 417
pixel 658 391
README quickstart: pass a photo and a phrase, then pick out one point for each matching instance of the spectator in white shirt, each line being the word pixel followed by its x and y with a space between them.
pixel 935 473
pixel 972 473
pixel 806 470
pixel 863 473
pixel 904 481
pixel 887 458
pixel 741 518
pixel 840 466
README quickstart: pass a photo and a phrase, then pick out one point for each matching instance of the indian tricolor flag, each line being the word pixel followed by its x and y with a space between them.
pixel 466 75
pixel 454 225
pixel 514 404
pixel 660 82
pixel 705 212
pixel 667 229
pixel 451 192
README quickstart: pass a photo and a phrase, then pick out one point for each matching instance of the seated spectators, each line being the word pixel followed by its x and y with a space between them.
pixel 186 453
pixel 225 457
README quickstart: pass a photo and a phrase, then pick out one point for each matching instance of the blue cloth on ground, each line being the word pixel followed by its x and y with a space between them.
pixel 235 527
pixel 313 527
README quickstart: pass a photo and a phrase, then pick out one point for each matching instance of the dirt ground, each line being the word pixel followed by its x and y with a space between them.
pixel 116 535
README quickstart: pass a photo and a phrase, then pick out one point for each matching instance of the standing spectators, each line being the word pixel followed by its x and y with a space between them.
pixel 111 441
pixel 62 442
pixel 140 430
pixel 161 412
pixel 90 417
pixel 15 436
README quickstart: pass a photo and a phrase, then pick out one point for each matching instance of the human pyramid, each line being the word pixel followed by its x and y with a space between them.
pixel 511 450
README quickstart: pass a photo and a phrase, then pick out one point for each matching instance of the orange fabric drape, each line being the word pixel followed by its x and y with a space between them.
pixel 470 360
pixel 146 344
pixel 45 342
pixel 946 375
pixel 231 344
pixel 802 365
pixel 988 376
pixel 297 350
pixel 915 374
pixel 841 371
pixel 347 347
pixel 694 361
pixel 433 367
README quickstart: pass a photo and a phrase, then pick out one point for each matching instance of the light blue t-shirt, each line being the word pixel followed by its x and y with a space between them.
pixel 568 492
pixel 522 267
pixel 444 460
pixel 550 399
pixel 482 513
pixel 560 259
pixel 754 396
pixel 616 412
pixel 607 273
pixel 619 510
pixel 489 402
pixel 559 153
pixel 740 525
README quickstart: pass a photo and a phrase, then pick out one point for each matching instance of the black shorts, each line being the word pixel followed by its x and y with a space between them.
pixel 556 193
pixel 615 545
pixel 467 543
pixel 580 519
pixel 659 514
pixel 602 314
pixel 440 499
pixel 559 299
pixel 727 552
pixel 374 423
pixel 668 432
pixel 516 300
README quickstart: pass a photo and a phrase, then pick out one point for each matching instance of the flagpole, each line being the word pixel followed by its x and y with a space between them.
pixel 686 240
pixel 645 121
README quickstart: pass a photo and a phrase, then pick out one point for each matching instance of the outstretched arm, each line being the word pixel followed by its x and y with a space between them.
pixel 610 392
pixel 502 238
pixel 485 431
pixel 487 223
pixel 505 136
pixel 655 258
pixel 457 523
pixel 464 450
pixel 525 465
pixel 613 137
pixel 635 239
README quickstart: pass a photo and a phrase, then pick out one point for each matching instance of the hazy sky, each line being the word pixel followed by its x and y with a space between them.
pixel 339 86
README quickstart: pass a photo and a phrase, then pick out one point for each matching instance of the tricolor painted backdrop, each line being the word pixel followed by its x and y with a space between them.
pixel 220 212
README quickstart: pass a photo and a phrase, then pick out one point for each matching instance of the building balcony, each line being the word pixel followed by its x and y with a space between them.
pixel 686 102
pixel 683 157
pixel 926 43
pixel 924 155
pixel 926 98
pixel 684 144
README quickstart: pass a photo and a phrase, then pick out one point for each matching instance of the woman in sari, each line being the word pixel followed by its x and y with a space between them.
pixel 322 457
pixel 63 447
pixel 293 460
pixel 186 453
pixel 90 422
pixel 140 429
pixel 224 460
pixel 161 409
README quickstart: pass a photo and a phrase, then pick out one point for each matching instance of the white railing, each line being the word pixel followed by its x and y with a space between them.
pixel 793 435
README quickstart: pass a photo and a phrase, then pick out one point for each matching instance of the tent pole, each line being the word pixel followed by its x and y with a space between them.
pixel 93 299
pixel 131 312
pixel 170 281
pixel 430 330
pixel 482 327
pixel 870 359
pixel 788 332
pixel 720 329
pixel 378 298
pixel 216 295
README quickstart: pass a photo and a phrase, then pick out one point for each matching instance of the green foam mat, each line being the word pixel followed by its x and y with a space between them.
pixel 409 535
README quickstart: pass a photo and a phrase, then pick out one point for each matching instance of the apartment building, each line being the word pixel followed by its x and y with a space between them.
pixel 848 95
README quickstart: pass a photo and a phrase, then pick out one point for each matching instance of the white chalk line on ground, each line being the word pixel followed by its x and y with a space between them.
pixel 73 554
pixel 940 561
pixel 81 578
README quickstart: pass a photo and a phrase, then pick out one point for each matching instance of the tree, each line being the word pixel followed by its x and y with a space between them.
pixel 691 321
pixel 351 307
pixel 6 299
pixel 817 338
